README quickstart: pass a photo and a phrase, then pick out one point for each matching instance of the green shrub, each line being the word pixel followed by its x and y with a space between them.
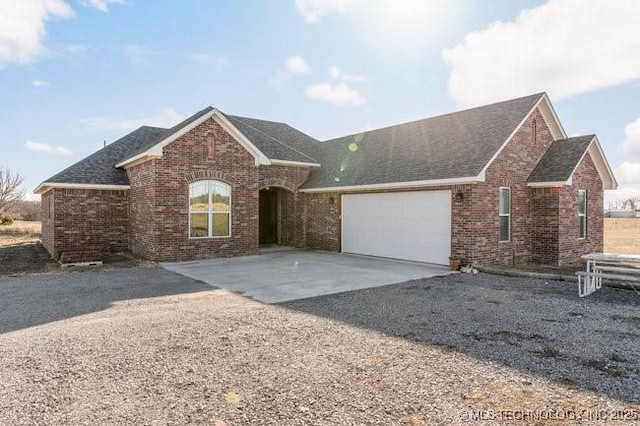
pixel 7 219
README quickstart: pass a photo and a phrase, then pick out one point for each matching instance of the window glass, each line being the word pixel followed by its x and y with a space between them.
pixel 199 196
pixel 582 213
pixel 199 225
pixel 221 224
pixel 209 209
pixel 505 201
pixel 221 198
pixel 504 214
pixel 504 228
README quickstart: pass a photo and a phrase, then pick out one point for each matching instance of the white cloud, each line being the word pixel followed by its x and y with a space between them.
pixel 628 174
pixel 40 83
pixel 338 91
pixel 22 27
pixel 165 118
pixel 297 65
pixel 631 143
pixel 336 94
pixel 564 47
pixel 218 62
pixel 45 147
pixel 337 74
pixel 313 10
pixel 293 65
pixel 102 5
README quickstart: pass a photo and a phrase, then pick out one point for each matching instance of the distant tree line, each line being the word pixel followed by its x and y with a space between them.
pixel 630 204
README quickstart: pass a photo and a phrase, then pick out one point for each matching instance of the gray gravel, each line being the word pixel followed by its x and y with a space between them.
pixel 146 346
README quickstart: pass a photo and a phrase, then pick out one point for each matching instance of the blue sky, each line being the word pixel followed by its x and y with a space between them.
pixel 76 73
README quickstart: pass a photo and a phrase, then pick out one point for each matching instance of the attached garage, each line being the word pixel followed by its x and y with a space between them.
pixel 399 225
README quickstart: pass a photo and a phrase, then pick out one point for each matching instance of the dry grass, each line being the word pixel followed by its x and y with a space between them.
pixel 19 232
pixel 622 235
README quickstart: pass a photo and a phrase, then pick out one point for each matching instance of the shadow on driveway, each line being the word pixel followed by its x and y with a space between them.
pixel 536 326
pixel 39 299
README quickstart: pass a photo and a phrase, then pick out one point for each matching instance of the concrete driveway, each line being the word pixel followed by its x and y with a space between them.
pixel 290 275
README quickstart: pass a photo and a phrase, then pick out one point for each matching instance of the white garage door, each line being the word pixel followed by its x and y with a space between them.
pixel 400 225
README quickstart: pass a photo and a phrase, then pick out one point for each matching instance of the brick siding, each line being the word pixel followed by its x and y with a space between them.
pixel 85 224
pixel 570 246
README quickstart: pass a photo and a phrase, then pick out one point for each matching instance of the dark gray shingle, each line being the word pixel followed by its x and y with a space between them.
pixel 449 146
pixel 278 141
pixel 100 167
pixel 560 160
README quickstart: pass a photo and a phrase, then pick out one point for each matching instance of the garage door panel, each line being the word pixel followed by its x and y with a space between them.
pixel 403 225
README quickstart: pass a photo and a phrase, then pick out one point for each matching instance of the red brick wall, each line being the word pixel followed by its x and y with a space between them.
pixel 545 225
pixel 186 160
pixel 321 221
pixel 87 223
pixel 510 169
pixel 570 246
pixel 142 200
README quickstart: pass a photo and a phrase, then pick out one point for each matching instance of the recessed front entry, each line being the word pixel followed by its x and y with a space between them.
pixel 399 225
pixel 268 217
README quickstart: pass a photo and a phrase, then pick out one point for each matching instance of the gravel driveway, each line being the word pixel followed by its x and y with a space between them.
pixel 146 346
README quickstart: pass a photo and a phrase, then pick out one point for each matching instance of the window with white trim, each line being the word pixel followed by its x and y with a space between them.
pixel 209 209
pixel 582 213
pixel 504 214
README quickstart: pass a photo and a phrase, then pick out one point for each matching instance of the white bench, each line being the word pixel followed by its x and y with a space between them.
pixel 618 267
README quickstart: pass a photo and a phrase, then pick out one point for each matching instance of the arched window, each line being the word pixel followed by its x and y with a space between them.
pixel 211 146
pixel 209 209
pixel 534 131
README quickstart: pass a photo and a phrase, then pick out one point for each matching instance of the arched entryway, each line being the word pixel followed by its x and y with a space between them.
pixel 276 217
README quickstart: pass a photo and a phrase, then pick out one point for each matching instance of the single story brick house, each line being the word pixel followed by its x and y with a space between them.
pixel 500 184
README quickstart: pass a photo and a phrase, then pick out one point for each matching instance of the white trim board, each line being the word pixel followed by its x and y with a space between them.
pixel 400 185
pixel 46 186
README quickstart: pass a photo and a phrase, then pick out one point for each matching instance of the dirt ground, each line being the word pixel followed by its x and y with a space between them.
pixel 21 252
pixel 622 235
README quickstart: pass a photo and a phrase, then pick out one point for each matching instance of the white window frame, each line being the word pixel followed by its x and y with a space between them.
pixel 500 214
pixel 582 217
pixel 210 213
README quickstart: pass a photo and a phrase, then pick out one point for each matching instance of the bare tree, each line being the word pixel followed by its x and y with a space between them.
pixel 10 189
pixel 632 203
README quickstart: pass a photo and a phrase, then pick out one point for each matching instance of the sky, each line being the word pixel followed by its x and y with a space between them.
pixel 75 74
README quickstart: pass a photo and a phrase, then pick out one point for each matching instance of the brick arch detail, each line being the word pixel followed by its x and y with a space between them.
pixel 278 182
pixel 210 175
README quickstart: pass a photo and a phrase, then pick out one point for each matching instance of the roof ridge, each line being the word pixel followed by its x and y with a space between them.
pixel 271 137
pixel 540 94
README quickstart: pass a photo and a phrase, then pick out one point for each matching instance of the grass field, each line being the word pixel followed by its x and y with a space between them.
pixel 622 236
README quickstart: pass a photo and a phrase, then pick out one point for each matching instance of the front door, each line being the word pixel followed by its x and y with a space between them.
pixel 267 218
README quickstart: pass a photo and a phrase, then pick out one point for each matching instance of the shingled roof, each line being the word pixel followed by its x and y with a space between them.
pixel 561 159
pixel 455 145
pixel 277 140
pixel 459 145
